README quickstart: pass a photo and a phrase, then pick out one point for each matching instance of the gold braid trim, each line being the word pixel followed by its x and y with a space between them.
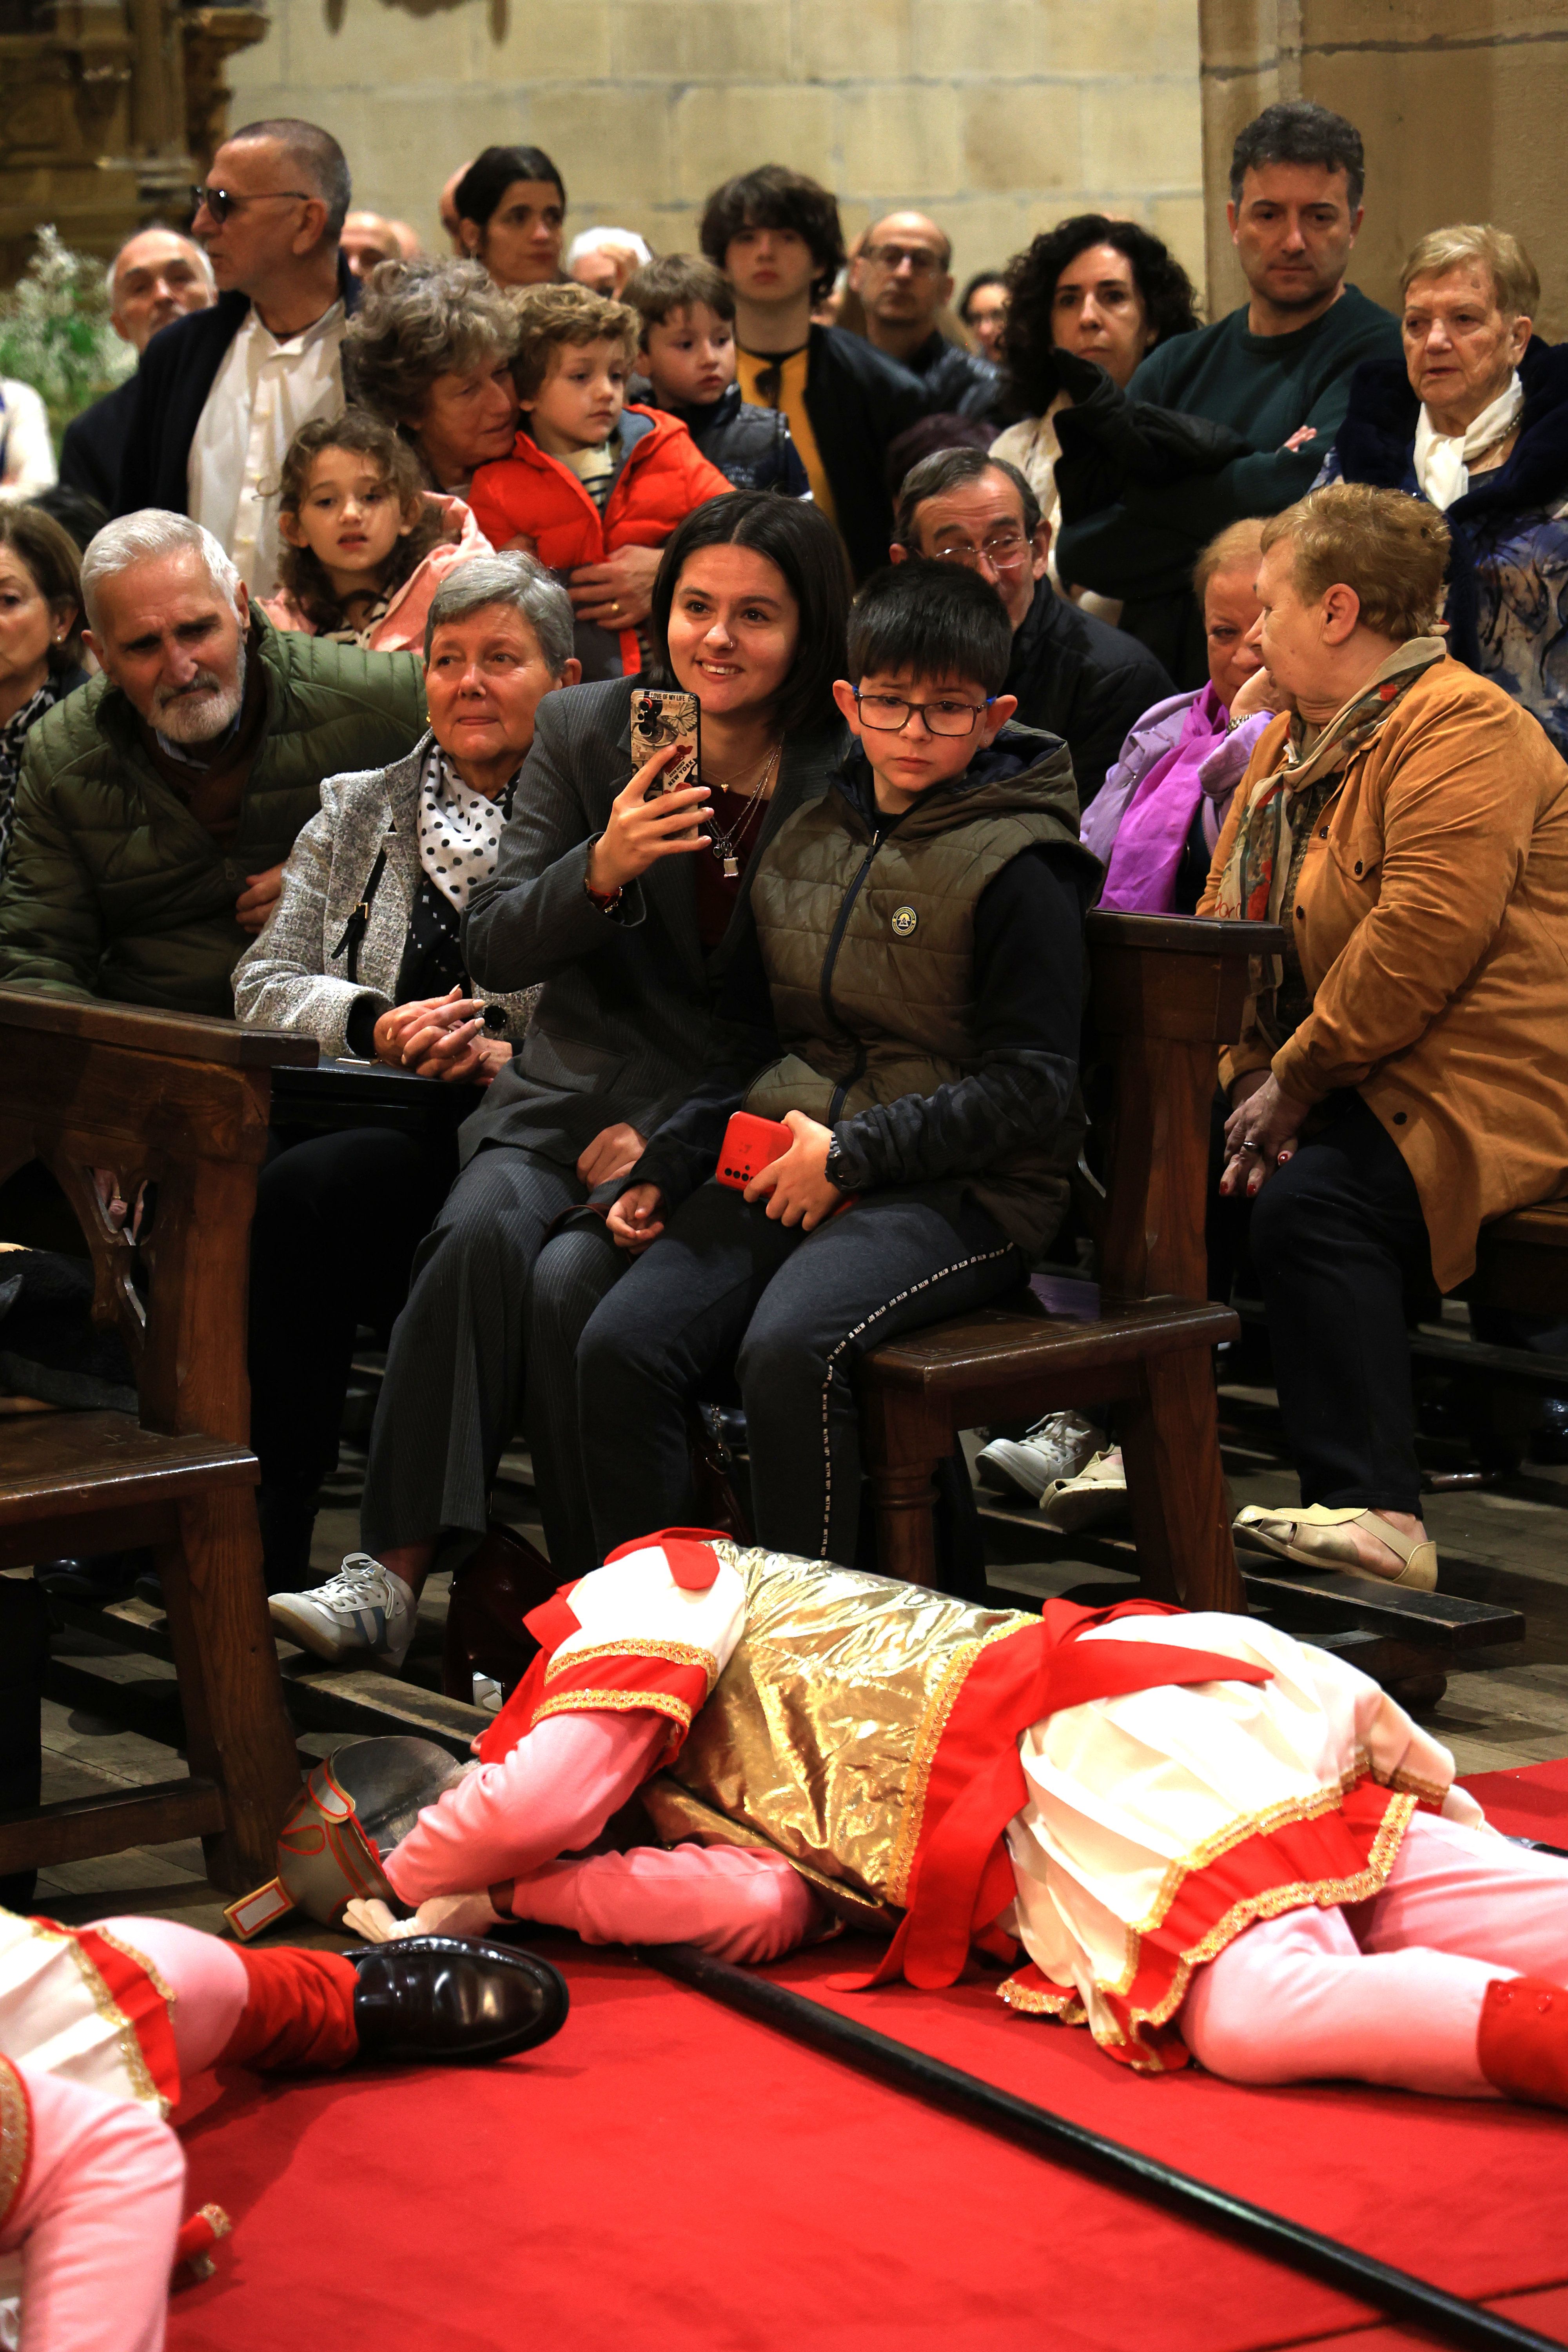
pixel 619 1702
pixel 16 2135
pixel 165 1991
pixel 676 1654
pixel 1288 1810
pixel 928 1738
pixel 1063 2004
pixel 1433 1790
pixel 108 2009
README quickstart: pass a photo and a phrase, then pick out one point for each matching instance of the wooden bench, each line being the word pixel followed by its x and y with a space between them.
pixel 180 1105
pixel 1165 993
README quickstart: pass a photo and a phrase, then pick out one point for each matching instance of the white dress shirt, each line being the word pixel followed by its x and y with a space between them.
pixel 26 454
pixel 262 394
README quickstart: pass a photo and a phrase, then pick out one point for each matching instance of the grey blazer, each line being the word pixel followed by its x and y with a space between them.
pixel 622 1027
pixel 294 974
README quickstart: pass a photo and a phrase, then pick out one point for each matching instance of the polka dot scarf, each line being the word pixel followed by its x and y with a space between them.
pixel 459 830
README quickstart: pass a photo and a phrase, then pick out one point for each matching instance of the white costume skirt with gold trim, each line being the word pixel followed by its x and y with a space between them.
pixel 1161 1824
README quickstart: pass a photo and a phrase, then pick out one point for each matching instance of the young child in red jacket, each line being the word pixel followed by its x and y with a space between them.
pixel 589 475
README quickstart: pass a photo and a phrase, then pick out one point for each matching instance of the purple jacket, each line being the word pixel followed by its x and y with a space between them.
pixel 1176 760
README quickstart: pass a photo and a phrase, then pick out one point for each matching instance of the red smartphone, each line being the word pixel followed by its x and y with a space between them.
pixel 750 1145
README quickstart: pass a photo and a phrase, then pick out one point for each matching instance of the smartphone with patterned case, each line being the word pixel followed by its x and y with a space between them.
pixel 662 716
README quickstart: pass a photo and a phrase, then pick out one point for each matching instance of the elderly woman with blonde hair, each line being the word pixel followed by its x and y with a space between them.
pixel 1402 1073
pixel 1476 422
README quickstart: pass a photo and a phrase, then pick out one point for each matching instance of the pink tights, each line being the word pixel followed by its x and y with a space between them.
pixel 97 2221
pixel 737 1903
pixel 1388 1992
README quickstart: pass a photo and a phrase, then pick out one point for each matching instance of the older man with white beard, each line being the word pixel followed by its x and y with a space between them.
pixel 156 805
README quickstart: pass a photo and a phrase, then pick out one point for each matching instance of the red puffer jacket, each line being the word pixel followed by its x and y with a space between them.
pixel 663 476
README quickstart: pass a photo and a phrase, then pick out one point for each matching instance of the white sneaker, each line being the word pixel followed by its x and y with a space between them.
pixel 364 1608
pixel 1056 1448
pixel 1097 1491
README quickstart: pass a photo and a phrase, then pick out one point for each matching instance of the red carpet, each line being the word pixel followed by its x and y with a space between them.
pixel 667 2174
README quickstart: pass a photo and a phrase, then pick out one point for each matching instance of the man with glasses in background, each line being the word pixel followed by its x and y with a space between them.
pixel 220 394
pixel 904 280
pixel 1072 675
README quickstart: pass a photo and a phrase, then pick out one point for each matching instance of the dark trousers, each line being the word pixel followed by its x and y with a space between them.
pixel 1339 1241
pixel 455 1368
pixel 727 1288
pixel 574 1270
pixel 338 1219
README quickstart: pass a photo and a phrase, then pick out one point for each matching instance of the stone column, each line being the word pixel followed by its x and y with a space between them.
pixel 1460 106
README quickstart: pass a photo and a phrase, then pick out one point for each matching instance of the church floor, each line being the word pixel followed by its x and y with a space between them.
pixel 1504 1543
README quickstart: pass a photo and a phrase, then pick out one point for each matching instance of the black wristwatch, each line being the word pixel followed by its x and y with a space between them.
pixel 833 1166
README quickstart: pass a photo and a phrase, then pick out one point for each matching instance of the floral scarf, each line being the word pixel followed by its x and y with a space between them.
pixel 1252 887
pixel 13 743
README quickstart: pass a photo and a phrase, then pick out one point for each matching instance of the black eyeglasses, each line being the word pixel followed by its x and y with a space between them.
pixel 922 262
pixel 221 202
pixel 890 714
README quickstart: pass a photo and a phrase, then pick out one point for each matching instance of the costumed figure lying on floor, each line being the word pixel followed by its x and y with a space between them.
pixel 1207 1837
pixel 99 2028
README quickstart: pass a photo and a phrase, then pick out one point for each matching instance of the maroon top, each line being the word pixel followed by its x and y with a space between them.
pixel 716 897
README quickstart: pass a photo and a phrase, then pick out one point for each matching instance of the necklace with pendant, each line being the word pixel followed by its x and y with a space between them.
pixel 725 846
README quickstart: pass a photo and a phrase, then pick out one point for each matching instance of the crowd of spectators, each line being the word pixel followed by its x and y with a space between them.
pixel 1051 595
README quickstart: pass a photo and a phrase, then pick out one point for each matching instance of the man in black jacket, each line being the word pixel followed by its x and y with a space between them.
pixel 219 395
pixel 776 235
pixel 159 275
pixel 1072 675
pixel 903 277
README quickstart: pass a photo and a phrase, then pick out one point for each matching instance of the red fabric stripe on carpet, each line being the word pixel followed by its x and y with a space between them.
pixel 667 2174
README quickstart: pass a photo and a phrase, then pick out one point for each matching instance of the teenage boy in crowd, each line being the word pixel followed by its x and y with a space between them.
pixel 687 362
pixel 904 997
pixel 776 234
pixel 1277 372
pixel 588 475
pixel 903 276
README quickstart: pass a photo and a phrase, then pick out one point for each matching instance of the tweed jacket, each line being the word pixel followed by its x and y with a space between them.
pixel 1431 918
pixel 623 1028
pixel 294 975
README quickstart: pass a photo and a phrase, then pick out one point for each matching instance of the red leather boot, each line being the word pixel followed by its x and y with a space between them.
pixel 1522 2042
pixel 491 1595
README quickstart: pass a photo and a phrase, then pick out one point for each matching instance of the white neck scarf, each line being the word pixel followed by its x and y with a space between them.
pixel 1442 460
pixel 459 830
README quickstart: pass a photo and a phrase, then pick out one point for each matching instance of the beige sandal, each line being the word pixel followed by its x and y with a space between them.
pixel 1312 1538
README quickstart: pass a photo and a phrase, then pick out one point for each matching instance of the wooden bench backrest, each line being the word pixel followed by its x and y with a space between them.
pixel 1166 993
pixel 175 1101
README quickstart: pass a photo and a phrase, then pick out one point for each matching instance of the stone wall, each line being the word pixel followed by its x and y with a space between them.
pixel 997 116
pixel 1461 104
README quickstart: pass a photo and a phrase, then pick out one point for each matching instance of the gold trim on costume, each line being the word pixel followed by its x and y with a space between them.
pixel 16 2134
pixel 108 2009
pixel 165 1991
pixel 1063 2004
pixel 928 1737
pixel 674 1653
pixel 617 1702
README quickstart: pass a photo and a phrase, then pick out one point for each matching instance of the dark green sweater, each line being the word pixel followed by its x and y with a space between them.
pixel 1264 387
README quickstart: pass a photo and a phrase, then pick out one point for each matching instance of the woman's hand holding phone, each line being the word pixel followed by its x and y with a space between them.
pixel 643 830
pixel 635 1220
pixel 795 1187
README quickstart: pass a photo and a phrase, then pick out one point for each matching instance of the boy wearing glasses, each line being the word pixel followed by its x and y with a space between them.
pixel 905 999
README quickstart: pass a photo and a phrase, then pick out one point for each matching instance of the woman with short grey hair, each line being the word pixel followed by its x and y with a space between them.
pixel 430 349
pixel 363 952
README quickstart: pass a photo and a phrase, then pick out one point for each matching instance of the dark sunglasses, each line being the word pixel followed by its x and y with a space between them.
pixel 221 202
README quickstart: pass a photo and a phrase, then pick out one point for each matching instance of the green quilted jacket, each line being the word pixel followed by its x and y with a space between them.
pixel 113 889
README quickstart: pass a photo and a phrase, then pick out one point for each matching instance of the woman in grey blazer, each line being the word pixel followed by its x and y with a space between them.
pixel 363 952
pixel 616 907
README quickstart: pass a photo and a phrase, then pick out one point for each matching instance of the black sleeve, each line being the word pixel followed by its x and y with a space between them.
pixel 684 1152
pixel 1028 996
pixel 1113 702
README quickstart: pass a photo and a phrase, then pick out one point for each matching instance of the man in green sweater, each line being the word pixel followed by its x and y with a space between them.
pixel 1277 372
pixel 156 804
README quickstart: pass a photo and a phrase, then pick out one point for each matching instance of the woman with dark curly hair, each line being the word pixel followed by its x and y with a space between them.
pixel 430 350
pixel 1105 289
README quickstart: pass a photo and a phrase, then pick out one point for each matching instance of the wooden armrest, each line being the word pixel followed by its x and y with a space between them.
pixel 1183 934
pixel 137 1028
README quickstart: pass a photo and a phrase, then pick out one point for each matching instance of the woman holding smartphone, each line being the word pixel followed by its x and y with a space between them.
pixel 615 900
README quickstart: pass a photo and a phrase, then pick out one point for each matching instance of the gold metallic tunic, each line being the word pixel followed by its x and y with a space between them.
pixel 818 1738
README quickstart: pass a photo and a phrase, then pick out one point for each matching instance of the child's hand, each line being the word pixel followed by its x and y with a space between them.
pixel 795 1187
pixel 635 1219
pixel 641 831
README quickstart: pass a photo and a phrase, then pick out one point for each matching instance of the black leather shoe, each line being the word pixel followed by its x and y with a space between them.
pixel 443 1998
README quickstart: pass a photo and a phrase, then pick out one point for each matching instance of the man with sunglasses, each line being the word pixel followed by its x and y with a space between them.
pixel 1071 674
pixel 220 394
pixel 903 277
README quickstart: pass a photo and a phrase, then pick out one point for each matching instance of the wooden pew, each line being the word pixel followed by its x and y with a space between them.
pixel 180 1105
pixel 1165 993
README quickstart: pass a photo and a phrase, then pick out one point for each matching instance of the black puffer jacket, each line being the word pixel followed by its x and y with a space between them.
pixel 750 446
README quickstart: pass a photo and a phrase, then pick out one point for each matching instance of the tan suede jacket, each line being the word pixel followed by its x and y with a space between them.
pixel 1431 918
